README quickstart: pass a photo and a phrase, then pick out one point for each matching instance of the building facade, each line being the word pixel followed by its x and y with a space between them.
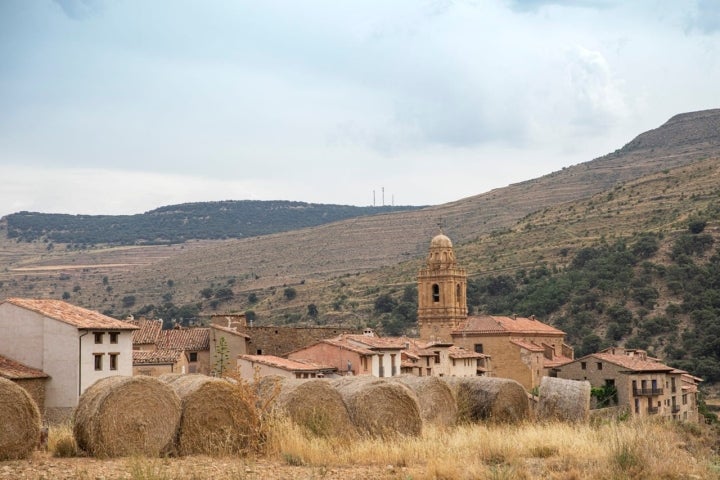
pixel 442 287
pixel 74 346
pixel 645 386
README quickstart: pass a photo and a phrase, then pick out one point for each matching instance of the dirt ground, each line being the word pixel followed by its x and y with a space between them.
pixel 43 466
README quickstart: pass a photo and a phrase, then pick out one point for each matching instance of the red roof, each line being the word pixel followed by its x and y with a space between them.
pixel 511 325
pixel 148 332
pixel 13 370
pixel 459 352
pixel 530 346
pixel 633 363
pixel 194 339
pixel 156 357
pixel 79 317
pixel 287 364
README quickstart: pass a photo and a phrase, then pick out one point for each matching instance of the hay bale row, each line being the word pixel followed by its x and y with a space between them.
pixel 489 399
pixel 121 416
pixel 19 421
pixel 313 404
pixel 378 407
pixel 563 400
pixel 435 399
pixel 216 417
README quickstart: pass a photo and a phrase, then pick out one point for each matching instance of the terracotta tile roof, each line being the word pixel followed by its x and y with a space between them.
pixel 231 330
pixel 459 353
pixel 148 333
pixel 187 339
pixel 13 370
pixel 342 343
pixel 499 324
pixel 156 357
pixel 556 361
pixel 531 346
pixel 79 317
pixel 287 364
pixel 391 343
pixel 634 363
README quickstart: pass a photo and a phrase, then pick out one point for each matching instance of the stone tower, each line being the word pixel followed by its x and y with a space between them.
pixel 442 286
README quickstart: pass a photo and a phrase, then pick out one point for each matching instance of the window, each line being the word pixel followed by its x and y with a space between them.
pixel 114 337
pixel 684 399
pixel 478 348
pixel 436 292
pixel 114 361
pixel 98 337
pixel 193 356
pixel 98 361
pixel 599 365
pixel 583 365
pixel 259 351
pixel 437 357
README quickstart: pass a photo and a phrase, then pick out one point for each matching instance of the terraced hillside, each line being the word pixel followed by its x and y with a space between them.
pixel 329 256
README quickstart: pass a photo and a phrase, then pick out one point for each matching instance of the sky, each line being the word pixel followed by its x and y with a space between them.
pixel 122 106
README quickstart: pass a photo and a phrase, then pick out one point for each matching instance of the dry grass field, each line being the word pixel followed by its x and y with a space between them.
pixel 623 450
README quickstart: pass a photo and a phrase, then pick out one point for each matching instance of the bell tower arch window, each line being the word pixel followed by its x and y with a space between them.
pixel 436 292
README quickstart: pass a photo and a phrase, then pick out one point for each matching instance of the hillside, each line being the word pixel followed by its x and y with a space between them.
pixel 179 223
pixel 341 267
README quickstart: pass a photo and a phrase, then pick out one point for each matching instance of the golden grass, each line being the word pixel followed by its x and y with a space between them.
pixel 630 450
pixel 61 442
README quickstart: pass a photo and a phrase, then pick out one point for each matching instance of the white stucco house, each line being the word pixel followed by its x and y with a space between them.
pixel 73 345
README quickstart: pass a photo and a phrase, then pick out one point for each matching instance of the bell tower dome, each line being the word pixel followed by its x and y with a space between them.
pixel 442 286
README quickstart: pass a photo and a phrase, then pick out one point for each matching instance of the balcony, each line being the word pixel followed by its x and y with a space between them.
pixel 647 392
pixel 675 408
pixel 653 410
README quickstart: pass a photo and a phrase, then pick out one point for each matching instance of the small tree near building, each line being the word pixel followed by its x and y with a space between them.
pixel 222 358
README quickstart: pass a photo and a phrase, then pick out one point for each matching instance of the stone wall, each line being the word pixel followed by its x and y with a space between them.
pixel 280 341
pixel 36 388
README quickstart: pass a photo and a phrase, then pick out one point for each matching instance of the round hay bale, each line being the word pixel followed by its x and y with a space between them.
pixel 379 407
pixel 19 421
pixel 313 404
pixel 121 416
pixel 217 416
pixel 437 405
pixel 489 399
pixel 564 400
pixel 170 377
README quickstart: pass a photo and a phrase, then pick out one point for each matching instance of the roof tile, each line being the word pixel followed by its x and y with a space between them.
pixel 79 317
pixel 13 370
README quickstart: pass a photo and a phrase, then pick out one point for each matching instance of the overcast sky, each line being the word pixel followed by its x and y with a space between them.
pixel 122 106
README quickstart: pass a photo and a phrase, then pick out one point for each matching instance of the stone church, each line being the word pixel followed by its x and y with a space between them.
pixel 523 349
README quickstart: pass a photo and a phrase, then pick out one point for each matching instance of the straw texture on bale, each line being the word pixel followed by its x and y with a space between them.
pixel 217 418
pixel 121 416
pixel 170 377
pixel 379 407
pixel 313 404
pixel 564 400
pixel 19 421
pixel 489 399
pixel 437 405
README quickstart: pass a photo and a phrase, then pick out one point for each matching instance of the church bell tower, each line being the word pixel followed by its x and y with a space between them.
pixel 442 288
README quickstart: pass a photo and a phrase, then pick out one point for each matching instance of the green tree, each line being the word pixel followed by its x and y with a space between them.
pixel 222 358
pixel 289 293
pixel 312 310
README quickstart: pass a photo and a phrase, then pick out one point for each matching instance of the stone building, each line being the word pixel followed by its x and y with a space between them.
pixel 645 386
pixel 523 349
pixel 177 350
pixel 276 340
pixel 368 354
pixel 263 365
pixel 442 286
